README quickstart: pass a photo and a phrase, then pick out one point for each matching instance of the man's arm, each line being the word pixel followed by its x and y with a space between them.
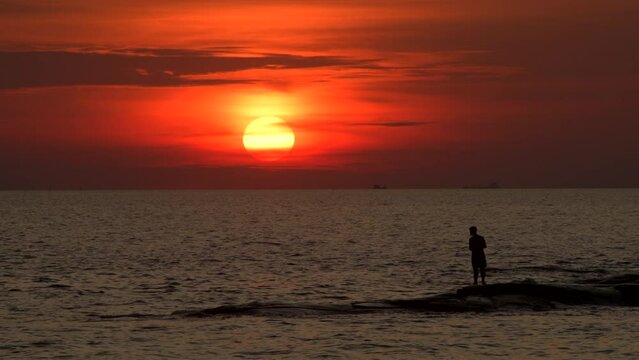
pixel 483 242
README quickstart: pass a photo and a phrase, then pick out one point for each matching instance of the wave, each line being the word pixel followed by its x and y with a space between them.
pixel 272 309
pixel 620 290
pixel 549 268
pixel 614 280
pixel 495 297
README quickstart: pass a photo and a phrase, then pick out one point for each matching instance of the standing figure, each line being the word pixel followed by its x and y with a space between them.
pixel 477 244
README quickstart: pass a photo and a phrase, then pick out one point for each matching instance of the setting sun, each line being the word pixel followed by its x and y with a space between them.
pixel 268 138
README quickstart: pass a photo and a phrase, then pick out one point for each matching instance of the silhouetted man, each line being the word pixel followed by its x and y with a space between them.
pixel 477 244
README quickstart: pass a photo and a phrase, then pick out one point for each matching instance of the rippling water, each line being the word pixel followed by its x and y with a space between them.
pixel 87 274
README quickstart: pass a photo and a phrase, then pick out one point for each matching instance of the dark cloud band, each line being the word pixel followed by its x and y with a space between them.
pixel 173 67
pixel 393 123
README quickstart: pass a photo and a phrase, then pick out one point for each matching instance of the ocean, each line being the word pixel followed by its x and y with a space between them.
pixel 316 274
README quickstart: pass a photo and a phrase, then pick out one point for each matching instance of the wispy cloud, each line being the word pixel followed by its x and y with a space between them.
pixel 144 67
pixel 392 123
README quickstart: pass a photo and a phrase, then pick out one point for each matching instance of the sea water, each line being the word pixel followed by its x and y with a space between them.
pixel 108 273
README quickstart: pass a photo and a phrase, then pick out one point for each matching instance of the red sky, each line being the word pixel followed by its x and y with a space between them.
pixel 407 93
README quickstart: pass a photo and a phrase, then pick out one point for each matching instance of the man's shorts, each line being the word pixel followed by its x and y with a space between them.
pixel 479 261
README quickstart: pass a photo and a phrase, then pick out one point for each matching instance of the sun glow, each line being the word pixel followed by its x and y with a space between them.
pixel 268 138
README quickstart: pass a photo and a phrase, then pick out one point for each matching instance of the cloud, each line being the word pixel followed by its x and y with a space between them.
pixel 393 123
pixel 13 7
pixel 144 67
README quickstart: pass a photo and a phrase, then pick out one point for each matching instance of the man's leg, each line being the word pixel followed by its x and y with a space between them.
pixel 475 273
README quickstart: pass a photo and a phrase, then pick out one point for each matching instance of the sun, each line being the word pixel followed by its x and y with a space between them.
pixel 268 138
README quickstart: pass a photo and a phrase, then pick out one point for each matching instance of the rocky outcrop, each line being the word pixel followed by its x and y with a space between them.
pixel 621 290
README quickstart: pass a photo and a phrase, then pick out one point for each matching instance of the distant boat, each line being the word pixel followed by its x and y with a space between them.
pixel 379 187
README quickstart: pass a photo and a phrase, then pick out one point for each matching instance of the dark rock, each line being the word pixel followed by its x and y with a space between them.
pixel 630 293
pixel 569 295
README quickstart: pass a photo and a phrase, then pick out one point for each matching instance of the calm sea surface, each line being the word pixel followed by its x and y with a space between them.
pixel 100 274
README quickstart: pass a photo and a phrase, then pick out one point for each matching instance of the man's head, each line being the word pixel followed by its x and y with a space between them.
pixel 473 230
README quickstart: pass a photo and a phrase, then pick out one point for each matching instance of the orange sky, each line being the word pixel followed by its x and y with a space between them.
pixel 408 93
